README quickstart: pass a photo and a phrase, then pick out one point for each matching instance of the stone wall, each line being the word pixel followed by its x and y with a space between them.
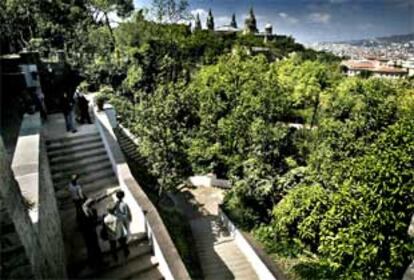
pixel 14 261
pixel 18 221
pixel 49 225
pixel 29 200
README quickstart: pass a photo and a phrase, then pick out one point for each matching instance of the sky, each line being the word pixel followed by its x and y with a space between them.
pixel 311 21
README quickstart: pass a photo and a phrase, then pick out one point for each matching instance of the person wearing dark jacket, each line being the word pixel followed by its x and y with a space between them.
pixel 83 106
pixel 67 104
pixel 88 221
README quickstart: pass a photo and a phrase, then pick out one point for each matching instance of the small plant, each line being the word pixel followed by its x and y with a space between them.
pixel 103 96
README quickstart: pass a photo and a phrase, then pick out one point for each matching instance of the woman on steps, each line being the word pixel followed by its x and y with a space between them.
pixel 116 232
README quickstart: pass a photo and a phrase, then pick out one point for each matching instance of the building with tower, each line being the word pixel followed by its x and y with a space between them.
pixel 250 24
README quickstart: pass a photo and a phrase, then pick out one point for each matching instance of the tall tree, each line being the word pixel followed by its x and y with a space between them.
pixel 210 21
pixel 170 11
pixel 233 21
pixel 197 22
pixel 123 8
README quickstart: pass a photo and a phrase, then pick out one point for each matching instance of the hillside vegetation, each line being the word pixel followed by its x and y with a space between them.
pixel 336 195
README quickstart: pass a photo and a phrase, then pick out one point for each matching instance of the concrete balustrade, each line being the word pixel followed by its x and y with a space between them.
pixel 25 162
pixel 263 266
pixel 145 215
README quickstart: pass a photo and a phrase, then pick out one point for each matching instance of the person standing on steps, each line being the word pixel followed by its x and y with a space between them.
pixel 88 221
pixel 83 106
pixel 67 104
pixel 122 211
pixel 77 194
pixel 116 232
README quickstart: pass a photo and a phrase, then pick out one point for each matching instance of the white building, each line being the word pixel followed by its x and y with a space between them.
pixel 376 68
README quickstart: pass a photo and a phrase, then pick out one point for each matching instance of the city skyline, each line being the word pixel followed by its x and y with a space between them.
pixel 314 20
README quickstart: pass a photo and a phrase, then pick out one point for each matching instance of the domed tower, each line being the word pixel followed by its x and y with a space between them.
pixel 269 29
pixel 250 24
pixel 268 32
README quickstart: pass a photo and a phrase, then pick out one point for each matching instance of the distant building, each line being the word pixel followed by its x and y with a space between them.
pixel 375 68
pixel 409 66
pixel 250 24
pixel 226 29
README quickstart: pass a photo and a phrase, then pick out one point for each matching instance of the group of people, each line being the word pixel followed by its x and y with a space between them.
pixel 114 223
pixel 77 103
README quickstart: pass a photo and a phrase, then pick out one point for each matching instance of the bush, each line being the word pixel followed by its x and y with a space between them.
pixel 356 226
pixel 105 93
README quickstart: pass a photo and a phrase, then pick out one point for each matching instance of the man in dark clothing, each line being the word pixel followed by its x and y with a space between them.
pixel 67 104
pixel 83 105
pixel 88 221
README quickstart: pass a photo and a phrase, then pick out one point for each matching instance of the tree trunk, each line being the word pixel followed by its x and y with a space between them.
pixel 315 111
pixel 110 29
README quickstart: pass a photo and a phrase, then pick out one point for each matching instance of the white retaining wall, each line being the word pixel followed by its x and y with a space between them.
pixel 258 265
pixel 170 263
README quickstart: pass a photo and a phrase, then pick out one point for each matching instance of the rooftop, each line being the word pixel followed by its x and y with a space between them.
pixel 373 66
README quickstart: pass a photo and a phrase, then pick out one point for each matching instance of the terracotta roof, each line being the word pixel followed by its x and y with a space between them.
pixel 372 66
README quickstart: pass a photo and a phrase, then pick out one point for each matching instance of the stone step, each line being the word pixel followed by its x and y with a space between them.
pixel 65 199
pixel 90 168
pixel 153 274
pixel 218 275
pixel 130 149
pixel 67 150
pixel 111 266
pixel 133 267
pixel 78 156
pixel 86 178
pixel 236 264
pixel 138 246
pixel 56 144
pixel 79 165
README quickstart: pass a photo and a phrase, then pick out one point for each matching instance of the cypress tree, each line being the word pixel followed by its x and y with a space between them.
pixel 233 21
pixel 210 21
pixel 197 22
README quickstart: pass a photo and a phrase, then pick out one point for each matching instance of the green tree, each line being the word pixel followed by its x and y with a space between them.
pixel 210 21
pixel 170 11
pixel 197 23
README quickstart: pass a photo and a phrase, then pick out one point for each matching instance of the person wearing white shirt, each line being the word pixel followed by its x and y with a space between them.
pixel 116 232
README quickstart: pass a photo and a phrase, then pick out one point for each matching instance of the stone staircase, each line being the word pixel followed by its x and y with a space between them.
pixel 84 154
pixel 219 255
pixel 14 261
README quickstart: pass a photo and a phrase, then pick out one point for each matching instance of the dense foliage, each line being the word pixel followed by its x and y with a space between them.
pixel 321 165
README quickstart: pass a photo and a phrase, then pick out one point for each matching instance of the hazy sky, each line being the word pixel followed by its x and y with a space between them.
pixel 315 20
